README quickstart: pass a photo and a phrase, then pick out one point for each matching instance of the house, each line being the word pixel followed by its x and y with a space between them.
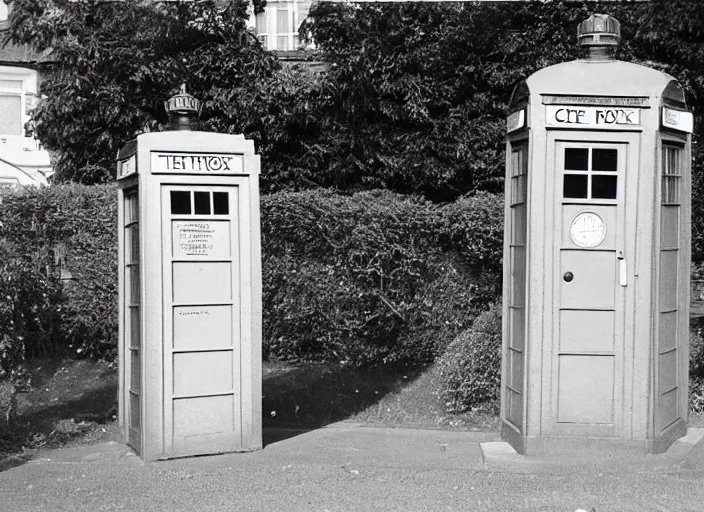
pixel 22 161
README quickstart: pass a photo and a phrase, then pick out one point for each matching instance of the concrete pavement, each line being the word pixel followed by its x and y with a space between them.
pixel 345 467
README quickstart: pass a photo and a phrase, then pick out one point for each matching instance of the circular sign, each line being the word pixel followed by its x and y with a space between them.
pixel 588 230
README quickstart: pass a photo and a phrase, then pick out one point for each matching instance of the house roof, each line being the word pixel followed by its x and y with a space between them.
pixel 13 54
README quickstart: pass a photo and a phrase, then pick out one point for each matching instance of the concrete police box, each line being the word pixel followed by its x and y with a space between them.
pixel 189 291
pixel 596 255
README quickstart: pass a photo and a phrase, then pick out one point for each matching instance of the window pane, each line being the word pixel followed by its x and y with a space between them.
pixel 134 285
pixel 221 204
pixel 134 244
pixel 134 327
pixel 604 159
pixel 282 43
pixel 134 411
pixel 133 208
pixel 260 23
pixel 671 189
pixel 180 203
pixel 671 164
pixel 603 187
pixel 576 159
pixel 202 203
pixel 134 371
pixel 518 161
pixel 11 118
pixel 282 24
pixel 575 186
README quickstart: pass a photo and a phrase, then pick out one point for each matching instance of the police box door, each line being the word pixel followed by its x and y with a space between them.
pixel 201 241
pixel 590 274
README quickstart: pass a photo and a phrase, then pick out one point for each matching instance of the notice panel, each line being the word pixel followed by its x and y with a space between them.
pixel 570 116
pixel 201 238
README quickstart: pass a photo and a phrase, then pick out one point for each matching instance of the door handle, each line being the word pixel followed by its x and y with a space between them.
pixel 622 269
pixel 568 276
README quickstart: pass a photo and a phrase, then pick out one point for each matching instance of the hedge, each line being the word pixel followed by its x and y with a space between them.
pixel 366 277
pixel 470 368
pixel 374 276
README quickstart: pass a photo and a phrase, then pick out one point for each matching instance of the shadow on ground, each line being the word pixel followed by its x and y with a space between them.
pixel 312 396
pixel 75 402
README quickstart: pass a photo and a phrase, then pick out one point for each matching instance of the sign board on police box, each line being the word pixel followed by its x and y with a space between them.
pixel 572 116
pixel 198 163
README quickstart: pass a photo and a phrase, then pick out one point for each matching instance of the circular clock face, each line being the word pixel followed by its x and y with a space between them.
pixel 587 230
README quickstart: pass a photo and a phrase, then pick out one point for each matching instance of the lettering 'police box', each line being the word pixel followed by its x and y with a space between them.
pixel 596 255
pixel 189 293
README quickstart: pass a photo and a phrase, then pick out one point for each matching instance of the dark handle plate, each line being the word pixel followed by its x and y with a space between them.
pixel 568 276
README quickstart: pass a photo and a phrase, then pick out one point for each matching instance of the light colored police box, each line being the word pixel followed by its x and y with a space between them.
pixel 189 294
pixel 596 255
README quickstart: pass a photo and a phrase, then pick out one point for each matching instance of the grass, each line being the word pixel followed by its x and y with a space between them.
pixel 313 395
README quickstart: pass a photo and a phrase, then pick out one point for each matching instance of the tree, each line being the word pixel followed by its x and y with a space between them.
pixel 416 94
pixel 118 61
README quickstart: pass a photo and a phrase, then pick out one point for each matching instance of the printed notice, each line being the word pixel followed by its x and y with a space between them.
pixel 588 230
pixel 201 238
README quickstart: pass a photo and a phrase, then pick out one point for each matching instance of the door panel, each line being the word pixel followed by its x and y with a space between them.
pixel 589 298
pixel 586 386
pixel 593 279
pixel 582 330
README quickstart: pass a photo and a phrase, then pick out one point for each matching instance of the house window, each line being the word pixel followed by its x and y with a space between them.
pixel 277 27
pixel 3 10
pixel 10 114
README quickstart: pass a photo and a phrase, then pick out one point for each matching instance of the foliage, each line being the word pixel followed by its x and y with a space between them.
pixel 696 366
pixel 363 278
pixel 28 320
pixel 369 277
pixel 116 63
pixel 81 221
pixel 473 226
pixel 416 94
pixel 470 368
pixel 696 348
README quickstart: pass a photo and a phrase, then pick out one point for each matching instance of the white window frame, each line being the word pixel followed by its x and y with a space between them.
pixel 27 95
pixel 270 36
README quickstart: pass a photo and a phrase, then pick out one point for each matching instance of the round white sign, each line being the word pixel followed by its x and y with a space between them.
pixel 588 230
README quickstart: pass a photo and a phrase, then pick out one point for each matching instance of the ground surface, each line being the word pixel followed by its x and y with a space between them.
pixel 346 468
pixel 73 402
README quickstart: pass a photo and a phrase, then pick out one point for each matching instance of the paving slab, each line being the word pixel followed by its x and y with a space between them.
pixel 685 453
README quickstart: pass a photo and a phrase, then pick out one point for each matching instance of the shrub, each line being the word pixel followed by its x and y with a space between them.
pixel 696 394
pixel 365 278
pixel 368 277
pixel 696 348
pixel 470 368
pixel 81 221
pixel 473 226
pixel 342 272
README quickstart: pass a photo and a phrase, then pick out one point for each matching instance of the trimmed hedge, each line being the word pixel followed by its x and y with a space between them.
pixel 368 277
pixel 470 368
pixel 82 312
pixel 374 276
